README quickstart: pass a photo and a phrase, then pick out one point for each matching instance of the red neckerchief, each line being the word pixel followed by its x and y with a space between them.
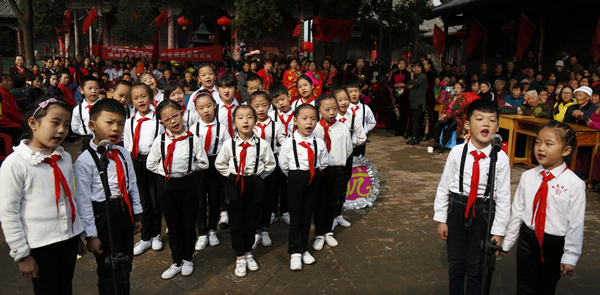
pixel 326 138
pixel 169 156
pixel 262 128
pixel 59 179
pixel 285 123
pixel 309 101
pixel 208 138
pixel 311 159
pixel 242 167
pixel 136 137
pixel 354 109
pixel 474 182
pixel 229 121
pixel 114 155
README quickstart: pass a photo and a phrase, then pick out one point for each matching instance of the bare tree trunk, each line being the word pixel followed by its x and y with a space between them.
pixel 26 24
pixel 380 43
pixel 390 41
pixel 417 22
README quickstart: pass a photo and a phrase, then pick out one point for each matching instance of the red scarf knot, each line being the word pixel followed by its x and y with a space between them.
pixel 114 155
pixel 326 138
pixel 136 137
pixel 474 183
pixel 59 179
pixel 311 159
pixel 169 156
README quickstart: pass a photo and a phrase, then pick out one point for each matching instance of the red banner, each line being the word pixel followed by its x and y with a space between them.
pixel 439 39
pixel 89 20
pixel 526 31
pixel 332 30
pixel 207 53
pixel 595 50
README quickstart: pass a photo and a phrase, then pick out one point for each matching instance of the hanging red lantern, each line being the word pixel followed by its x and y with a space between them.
pixel 510 29
pixel 224 21
pixel 463 34
pixel 182 21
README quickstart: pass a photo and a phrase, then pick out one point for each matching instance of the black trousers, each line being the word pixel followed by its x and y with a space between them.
pixel 347 177
pixel 430 109
pixel 333 188
pixel 403 123
pixel 85 141
pixel 152 213
pixel 464 235
pixel 360 150
pixel 439 126
pixel 179 198
pixel 210 187
pixel 56 263
pixel 243 210
pixel 533 275
pixel 281 198
pixel 417 120
pixel 302 196
pixel 122 239
pixel 271 191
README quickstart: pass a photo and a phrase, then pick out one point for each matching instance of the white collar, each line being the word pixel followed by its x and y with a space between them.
pixel 253 140
pixel 172 136
pixel 33 157
pixel 299 136
pixel 214 122
pixel 556 171
pixel 234 102
pixel 149 115
pixel 268 120
pixel 486 150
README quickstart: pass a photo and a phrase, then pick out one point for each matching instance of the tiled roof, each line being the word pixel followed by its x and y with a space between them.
pixel 5 9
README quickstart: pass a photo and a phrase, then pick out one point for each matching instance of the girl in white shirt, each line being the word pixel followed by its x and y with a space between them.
pixel 305 86
pixel 175 156
pixel 174 91
pixel 245 160
pixel 302 157
pixel 214 135
pixel 547 214
pixel 37 208
pixel 150 80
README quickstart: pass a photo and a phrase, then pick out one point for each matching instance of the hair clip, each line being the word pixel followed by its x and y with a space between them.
pixel 202 92
pixel 257 89
pixel 44 104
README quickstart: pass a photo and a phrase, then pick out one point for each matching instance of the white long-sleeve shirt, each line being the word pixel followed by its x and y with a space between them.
pixel 222 113
pixel 190 117
pixel 341 142
pixel 565 209
pixel 80 120
pixel 287 160
pixel 225 160
pixel 281 117
pixel 28 206
pixel 181 155
pixel 300 102
pixel 451 179
pixel 200 129
pixel 273 134
pixel 90 189
pixel 359 137
pixel 148 132
pixel 363 115
pixel 214 93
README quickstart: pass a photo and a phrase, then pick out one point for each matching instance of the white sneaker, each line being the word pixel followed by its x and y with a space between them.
pixel 331 241
pixel 187 268
pixel 224 220
pixel 212 238
pixel 202 242
pixel 266 240
pixel 240 268
pixel 319 242
pixel 342 222
pixel 307 258
pixel 141 247
pixel 335 223
pixel 157 244
pixel 251 263
pixel 285 217
pixel 296 262
pixel 273 218
pixel 257 240
pixel 172 271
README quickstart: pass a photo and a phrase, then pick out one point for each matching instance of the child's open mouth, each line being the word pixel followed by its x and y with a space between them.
pixel 151 85
pixel 226 95
pixel 309 129
pixel 208 82
pixel 113 138
pixel 57 139
pixel 142 106
pixel 541 156
pixel 485 132
pixel 304 93
pixel 207 116
pixel 245 127
pixel 176 127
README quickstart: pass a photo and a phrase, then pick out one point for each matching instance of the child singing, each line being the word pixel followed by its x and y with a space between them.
pixel 547 214
pixel 174 91
pixel 305 86
pixel 37 209
pixel 302 157
pixel 175 156
pixel 245 160
pixel 150 80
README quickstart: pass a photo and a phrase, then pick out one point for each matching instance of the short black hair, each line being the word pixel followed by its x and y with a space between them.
pixel 322 98
pixel 340 89
pixel 242 107
pixel 86 79
pixel 302 106
pixel 163 105
pixel 107 105
pixel 18 81
pixel 104 74
pixel 278 89
pixel 484 106
pixel 170 87
pixel 253 77
pixel 121 82
pixel 351 84
pixel 226 81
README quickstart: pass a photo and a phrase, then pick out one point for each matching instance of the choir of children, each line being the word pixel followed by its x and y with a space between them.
pixel 252 165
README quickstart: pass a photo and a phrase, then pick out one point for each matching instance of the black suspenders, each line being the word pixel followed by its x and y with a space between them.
pixel 235 164
pixel 296 153
pixel 272 136
pixel 190 157
pixel 364 110
pixel 82 122
pixel 352 126
pixel 216 135
pixel 97 162
pixel 462 171
pixel 133 132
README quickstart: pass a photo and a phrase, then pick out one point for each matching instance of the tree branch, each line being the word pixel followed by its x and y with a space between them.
pixel 16 10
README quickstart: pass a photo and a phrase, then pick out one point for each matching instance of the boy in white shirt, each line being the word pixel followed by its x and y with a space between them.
pixel 90 88
pixel 361 111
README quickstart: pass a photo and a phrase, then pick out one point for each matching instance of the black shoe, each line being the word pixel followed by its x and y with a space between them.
pixel 442 149
pixel 405 135
pixel 398 134
pixel 436 146
pixel 426 137
pixel 414 141
pixel 595 188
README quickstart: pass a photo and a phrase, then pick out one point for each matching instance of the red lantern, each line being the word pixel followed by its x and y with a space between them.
pixel 224 21
pixel 463 34
pixel 510 29
pixel 182 21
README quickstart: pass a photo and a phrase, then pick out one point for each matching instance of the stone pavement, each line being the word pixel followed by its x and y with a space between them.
pixel 391 248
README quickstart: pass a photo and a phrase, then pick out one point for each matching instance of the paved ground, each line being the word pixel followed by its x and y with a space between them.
pixel 391 248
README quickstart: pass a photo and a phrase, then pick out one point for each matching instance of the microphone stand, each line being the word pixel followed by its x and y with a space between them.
pixel 488 246
pixel 116 260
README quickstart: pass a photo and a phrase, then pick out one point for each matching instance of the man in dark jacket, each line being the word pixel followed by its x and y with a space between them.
pixel 418 100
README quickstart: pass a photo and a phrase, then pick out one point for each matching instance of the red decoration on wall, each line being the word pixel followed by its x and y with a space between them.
pixel 510 29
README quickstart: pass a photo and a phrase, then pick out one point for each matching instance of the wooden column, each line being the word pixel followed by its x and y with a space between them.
pixel 542 36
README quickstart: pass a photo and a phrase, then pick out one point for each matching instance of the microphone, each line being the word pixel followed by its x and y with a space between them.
pixel 105 146
pixel 496 142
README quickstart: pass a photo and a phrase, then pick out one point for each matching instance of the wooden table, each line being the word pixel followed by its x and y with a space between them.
pixel 516 124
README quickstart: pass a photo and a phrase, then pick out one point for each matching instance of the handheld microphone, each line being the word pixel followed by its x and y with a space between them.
pixel 496 142
pixel 104 146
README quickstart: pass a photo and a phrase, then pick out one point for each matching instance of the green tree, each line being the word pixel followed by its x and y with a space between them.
pixel 25 19
pixel 133 19
pixel 47 16
pixel 256 19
